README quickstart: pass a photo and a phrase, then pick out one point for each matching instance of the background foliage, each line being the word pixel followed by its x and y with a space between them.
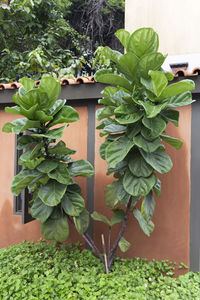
pixel 39 36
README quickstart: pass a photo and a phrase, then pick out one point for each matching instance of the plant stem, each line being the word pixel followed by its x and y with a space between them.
pixel 105 256
pixel 109 238
pixel 122 230
pixel 88 240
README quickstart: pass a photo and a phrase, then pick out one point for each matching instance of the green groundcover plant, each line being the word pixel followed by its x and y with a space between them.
pixel 43 271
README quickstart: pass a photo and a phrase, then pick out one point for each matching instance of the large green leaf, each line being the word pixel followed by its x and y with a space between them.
pixel 174 142
pixel 56 107
pixel 73 204
pixel 20 125
pixel 143 41
pixel 25 141
pixel 26 160
pixel 52 193
pixel 52 88
pixel 127 64
pixel 42 117
pixel 113 79
pixel 61 174
pixel 151 109
pixel 13 110
pixel 118 216
pixel 151 61
pixel 177 88
pixel 111 194
pixel 148 146
pixel 67 114
pixel 159 82
pixel 138 166
pixel 147 227
pixel 104 112
pixel 100 218
pixel 171 115
pixel 148 206
pixel 112 128
pixel 124 36
pixel 180 100
pixel 47 166
pixel 138 186
pixel 60 148
pixel 27 83
pixel 82 221
pixel 124 245
pixel 102 149
pixel 22 180
pixel 81 168
pixel 118 150
pixel 52 134
pixel 159 160
pixel 56 229
pixel 113 55
pixel 40 211
pixel 156 125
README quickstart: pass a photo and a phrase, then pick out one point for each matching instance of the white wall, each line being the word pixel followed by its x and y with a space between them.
pixel 176 21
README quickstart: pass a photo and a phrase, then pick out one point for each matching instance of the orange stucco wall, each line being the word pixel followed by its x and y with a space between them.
pixel 170 239
pixel 11 229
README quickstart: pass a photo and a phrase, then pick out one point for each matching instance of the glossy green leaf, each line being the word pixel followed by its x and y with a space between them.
pixel 52 87
pixel 150 62
pixel 102 149
pixel 81 168
pixel 104 112
pixel 61 174
pixel 156 125
pixel 26 160
pixel 143 41
pixel 159 160
pixel 114 80
pixel 67 114
pixel 47 166
pixel 124 245
pixel 177 88
pixel 52 134
pixel 27 83
pixel 118 216
pixel 73 204
pixel 138 166
pixel 13 110
pixel 159 82
pixel 82 221
pixel 129 119
pixel 60 148
pixel 117 151
pixel 133 130
pixel 20 125
pixel 174 142
pixel 171 115
pixel 56 229
pixel 127 64
pixel 148 207
pixel 113 55
pixel 111 194
pixel 52 193
pixel 100 218
pixel 25 141
pixel 22 180
pixel 56 107
pixel 40 211
pixel 138 186
pixel 147 227
pixel 148 146
pixel 123 36
pixel 151 109
pixel 42 117
pixel 112 128
pixel 180 100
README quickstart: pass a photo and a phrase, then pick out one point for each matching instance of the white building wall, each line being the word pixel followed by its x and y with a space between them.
pixel 176 22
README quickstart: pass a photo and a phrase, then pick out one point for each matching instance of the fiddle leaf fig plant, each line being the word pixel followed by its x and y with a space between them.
pixel 48 170
pixel 138 103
